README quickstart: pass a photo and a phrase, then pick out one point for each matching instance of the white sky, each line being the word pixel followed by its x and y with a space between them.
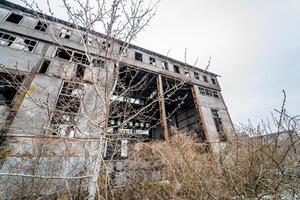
pixel 254 45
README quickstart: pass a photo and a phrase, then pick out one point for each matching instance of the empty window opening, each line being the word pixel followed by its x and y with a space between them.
pixel 44 67
pixel 6 39
pixel 64 54
pixel 165 65
pixel 41 26
pixel 81 58
pixel 176 69
pixel 213 81
pixel 196 75
pixel 152 61
pixel 80 72
pixel 138 56
pixel 205 78
pixel 65 33
pixel 64 118
pixel 14 18
pixel 218 123
pixel 24 44
pixel 9 86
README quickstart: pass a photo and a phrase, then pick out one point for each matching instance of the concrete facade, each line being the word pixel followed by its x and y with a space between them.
pixel 204 108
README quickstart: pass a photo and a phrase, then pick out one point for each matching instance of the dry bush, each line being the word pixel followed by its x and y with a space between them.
pixel 254 168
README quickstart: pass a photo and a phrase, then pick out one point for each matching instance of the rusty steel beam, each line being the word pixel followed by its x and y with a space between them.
pixel 162 107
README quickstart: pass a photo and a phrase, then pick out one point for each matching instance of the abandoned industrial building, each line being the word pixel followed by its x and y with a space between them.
pixel 55 78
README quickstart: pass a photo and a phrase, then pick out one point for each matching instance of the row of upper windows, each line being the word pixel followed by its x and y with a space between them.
pixel 165 65
pixel 208 92
pixel 66 33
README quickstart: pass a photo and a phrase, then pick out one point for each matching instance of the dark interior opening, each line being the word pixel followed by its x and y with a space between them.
pixel 9 86
pixel 14 18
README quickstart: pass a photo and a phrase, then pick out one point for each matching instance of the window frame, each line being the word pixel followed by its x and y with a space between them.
pixel 61 32
pixel 43 23
pixel 13 13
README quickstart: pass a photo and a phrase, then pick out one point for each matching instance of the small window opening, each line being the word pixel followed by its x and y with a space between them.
pixel 14 18
pixel 202 91
pixel 41 26
pixel 196 75
pixel 152 61
pixel 65 33
pixel 205 78
pixel 80 72
pixel 208 92
pixel 138 56
pixel 213 81
pixel 64 54
pixel 44 67
pixel 6 39
pixel 176 69
pixel 165 65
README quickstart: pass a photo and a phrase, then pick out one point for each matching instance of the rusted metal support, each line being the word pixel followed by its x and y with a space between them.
pixel 200 114
pixel 162 107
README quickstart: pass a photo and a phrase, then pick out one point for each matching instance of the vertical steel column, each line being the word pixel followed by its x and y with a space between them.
pixel 162 107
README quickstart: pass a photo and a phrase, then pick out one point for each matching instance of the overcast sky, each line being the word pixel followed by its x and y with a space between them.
pixel 254 45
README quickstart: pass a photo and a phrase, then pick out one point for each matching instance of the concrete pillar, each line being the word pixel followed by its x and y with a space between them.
pixel 196 98
pixel 162 107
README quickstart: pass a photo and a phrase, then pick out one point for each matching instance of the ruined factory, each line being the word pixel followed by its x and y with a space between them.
pixel 65 87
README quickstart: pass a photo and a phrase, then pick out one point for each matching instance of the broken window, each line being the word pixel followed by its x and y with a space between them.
pixel 196 75
pixel 24 44
pixel 81 58
pixel 152 61
pixel 205 78
pixel 176 69
pixel 6 39
pixel 138 56
pixel 44 66
pixel 218 123
pixel 41 26
pixel 14 18
pixel 213 81
pixel 9 86
pixel 64 118
pixel 98 63
pixel 64 54
pixel 65 33
pixel 165 65
pixel 80 72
